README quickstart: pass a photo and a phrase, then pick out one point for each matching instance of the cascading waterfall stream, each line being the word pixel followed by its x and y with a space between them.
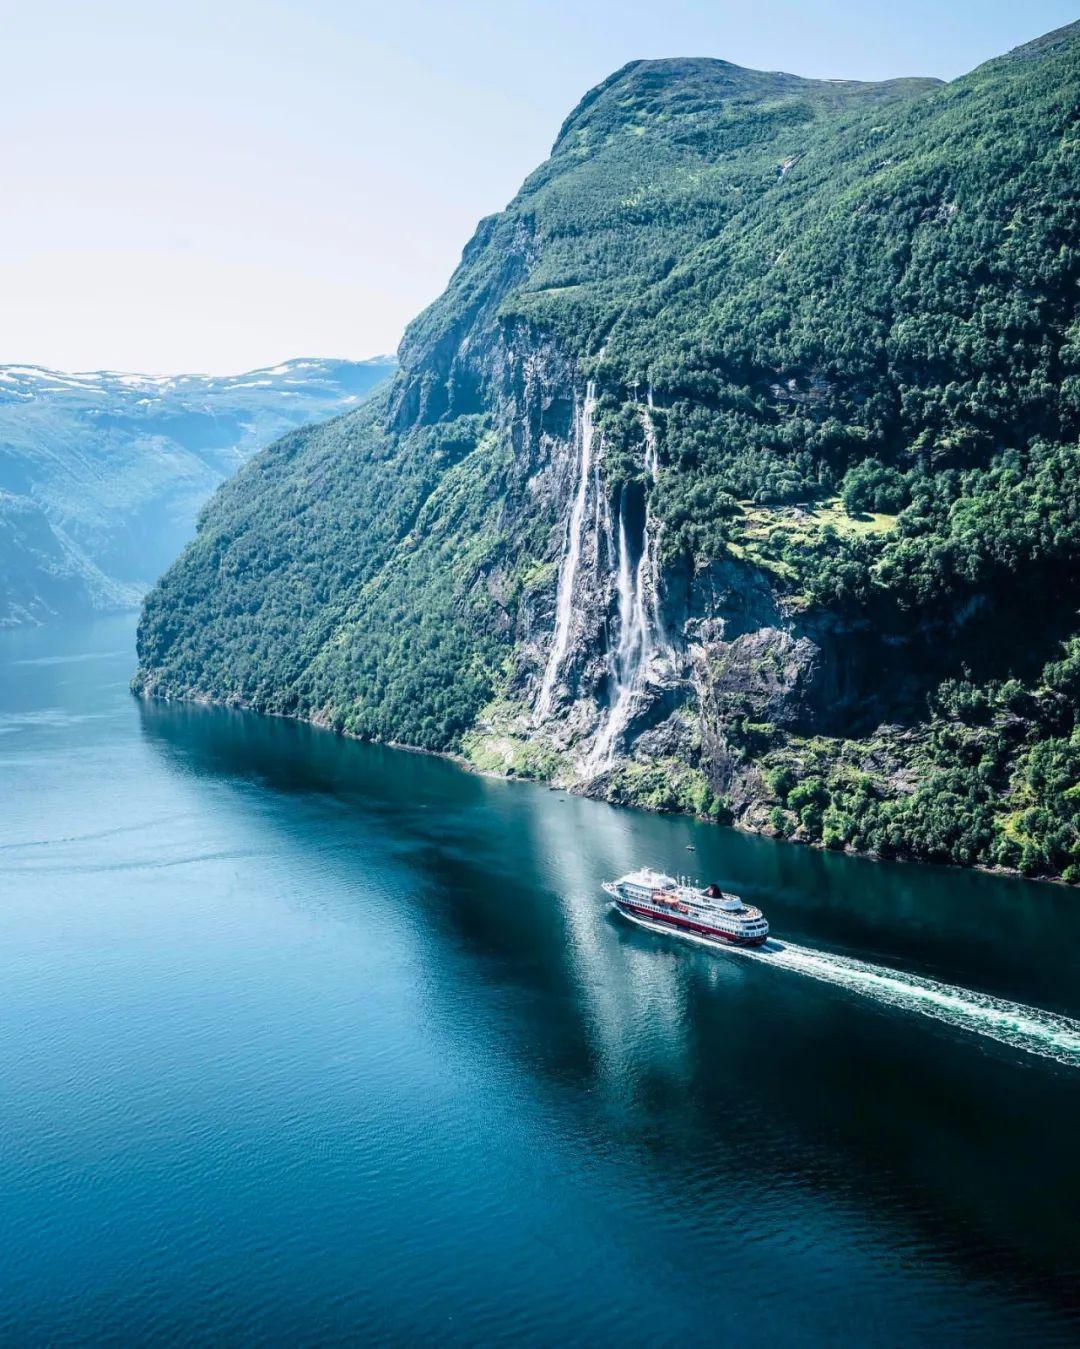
pixel 564 604
pixel 630 660
pixel 639 622
pixel 652 543
pixel 639 626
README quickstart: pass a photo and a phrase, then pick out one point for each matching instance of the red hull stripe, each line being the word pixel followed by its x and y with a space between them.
pixel 691 926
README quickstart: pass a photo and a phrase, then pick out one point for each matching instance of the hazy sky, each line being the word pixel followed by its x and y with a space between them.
pixel 218 186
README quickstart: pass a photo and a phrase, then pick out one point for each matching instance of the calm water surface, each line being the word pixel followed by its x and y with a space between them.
pixel 303 1040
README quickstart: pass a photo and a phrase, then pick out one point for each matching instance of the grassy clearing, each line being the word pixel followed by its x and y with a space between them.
pixel 761 524
pixel 767 533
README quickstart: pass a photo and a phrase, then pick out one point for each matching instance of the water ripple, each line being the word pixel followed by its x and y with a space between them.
pixel 1049 1034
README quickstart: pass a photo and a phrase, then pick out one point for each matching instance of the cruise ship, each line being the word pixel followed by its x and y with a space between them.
pixel 657 898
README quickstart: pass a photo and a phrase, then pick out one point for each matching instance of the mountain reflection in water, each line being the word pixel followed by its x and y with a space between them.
pixel 307 1039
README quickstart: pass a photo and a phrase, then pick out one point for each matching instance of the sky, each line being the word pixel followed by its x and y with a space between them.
pixel 219 186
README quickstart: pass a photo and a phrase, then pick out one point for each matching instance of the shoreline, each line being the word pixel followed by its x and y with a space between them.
pixel 467 765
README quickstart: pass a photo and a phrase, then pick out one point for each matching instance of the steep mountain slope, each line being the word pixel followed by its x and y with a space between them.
pixel 102 474
pixel 735 471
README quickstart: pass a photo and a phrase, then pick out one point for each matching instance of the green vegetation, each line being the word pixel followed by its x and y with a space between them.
pixel 996 773
pixel 667 785
pixel 856 308
pixel 871 486
pixel 497 745
pixel 317 550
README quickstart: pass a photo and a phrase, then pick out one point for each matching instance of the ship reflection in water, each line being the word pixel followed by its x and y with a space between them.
pixel 350 1044
pixel 712 917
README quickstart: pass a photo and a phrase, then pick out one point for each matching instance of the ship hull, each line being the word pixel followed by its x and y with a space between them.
pixel 678 923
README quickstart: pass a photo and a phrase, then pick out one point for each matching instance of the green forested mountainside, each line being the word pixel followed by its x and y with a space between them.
pixel 102 474
pixel 311 559
pixel 853 312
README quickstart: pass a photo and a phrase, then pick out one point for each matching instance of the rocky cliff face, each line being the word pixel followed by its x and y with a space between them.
pixel 697 485
pixel 620 661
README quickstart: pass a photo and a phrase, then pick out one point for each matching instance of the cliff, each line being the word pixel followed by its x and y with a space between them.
pixel 735 471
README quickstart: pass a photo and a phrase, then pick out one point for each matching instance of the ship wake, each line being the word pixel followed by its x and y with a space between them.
pixel 1051 1035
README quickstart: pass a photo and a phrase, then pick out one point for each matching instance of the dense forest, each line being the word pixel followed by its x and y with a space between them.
pixel 846 316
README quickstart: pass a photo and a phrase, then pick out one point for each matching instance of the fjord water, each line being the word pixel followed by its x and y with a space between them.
pixel 305 1040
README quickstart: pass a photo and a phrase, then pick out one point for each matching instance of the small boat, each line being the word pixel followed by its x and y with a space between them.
pixel 657 899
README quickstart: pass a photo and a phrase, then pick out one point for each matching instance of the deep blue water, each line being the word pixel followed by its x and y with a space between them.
pixel 308 1041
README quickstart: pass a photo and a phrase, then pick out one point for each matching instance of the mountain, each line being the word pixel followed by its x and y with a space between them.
pixel 736 471
pixel 102 475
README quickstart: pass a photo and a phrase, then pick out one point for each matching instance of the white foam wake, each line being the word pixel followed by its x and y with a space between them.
pixel 1049 1034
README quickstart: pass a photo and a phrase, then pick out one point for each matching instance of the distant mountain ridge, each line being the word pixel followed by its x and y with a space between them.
pixel 103 473
pixel 25 382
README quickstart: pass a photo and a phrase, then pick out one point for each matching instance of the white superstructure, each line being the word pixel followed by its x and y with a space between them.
pixel 711 912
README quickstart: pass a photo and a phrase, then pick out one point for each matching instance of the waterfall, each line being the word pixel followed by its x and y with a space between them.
pixel 632 656
pixel 564 605
pixel 652 467
pixel 603 517
pixel 640 626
